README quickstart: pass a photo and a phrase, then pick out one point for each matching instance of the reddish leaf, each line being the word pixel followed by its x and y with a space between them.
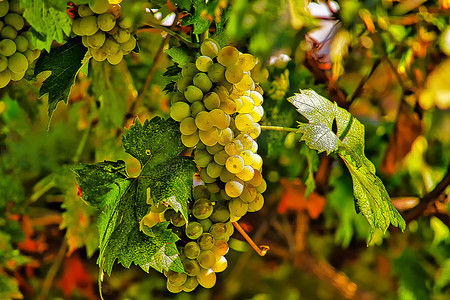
pixel 31 245
pixel 76 277
pixel 294 199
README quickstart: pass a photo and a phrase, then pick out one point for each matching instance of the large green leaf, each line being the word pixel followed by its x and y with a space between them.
pixel 123 199
pixel 372 199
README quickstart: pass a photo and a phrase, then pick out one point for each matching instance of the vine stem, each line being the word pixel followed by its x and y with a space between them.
pixel 261 250
pixel 278 128
pixel 53 270
pixel 171 33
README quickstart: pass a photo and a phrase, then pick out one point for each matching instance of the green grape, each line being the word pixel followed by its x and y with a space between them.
pixel 193 93
pixel 237 207
pixel 129 45
pixel 187 126
pixel 228 56
pixel 209 48
pixel 256 204
pixel 76 27
pixel 226 137
pixel 175 278
pixel 220 248
pixel 8 32
pixel 194 230
pixel 221 119
pixel 262 187
pixel 230 228
pixel 221 157
pixel 84 11
pixel 214 149
pixel 207 278
pixel 257 97
pixel 179 111
pixel 203 63
pixel 247 104
pixel 223 194
pixel 17 76
pixel 115 58
pixel 177 219
pixel 220 265
pixel 235 164
pixel 234 74
pixel 189 69
pixel 202 158
pixel 174 288
pixel 257 161
pixel 234 148
pixel 248 194
pixel 257 113
pixel 21 43
pixel 14 20
pixel 202 81
pixel 111 46
pixel 14 6
pixel 210 137
pixel 3 63
pixel 122 35
pixel 205 177
pixel 255 131
pixel 234 188
pixel 98 54
pixel 216 73
pixel 191 266
pixel 206 223
pixel 226 176
pixel 192 250
pixel 206 259
pixel 17 63
pixel 190 140
pixel 228 106
pixel 206 241
pixel 99 6
pixel 246 61
pixel 259 74
pixel 211 100
pixel 1 25
pixel 97 40
pixel 213 188
pixel 88 25
pixel 204 121
pixel 246 174
pixel 219 231
pixel 244 122
pixel 4 7
pixel 200 191
pixel 197 107
pixel 183 83
pixel 213 169
pixel 202 208
pixel 190 284
pixel 5 78
pixel 125 23
pixel 106 22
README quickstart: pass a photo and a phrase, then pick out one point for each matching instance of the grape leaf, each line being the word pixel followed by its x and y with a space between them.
pixel 372 199
pixel 64 62
pixel 123 199
pixel 180 55
pixel 199 18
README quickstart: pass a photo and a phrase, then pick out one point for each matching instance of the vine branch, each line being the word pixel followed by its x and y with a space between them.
pixel 278 128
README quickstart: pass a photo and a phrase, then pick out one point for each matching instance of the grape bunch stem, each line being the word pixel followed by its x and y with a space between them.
pixel 278 128
pixel 261 250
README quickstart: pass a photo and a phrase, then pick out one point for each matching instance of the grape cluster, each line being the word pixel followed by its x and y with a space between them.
pixel 104 31
pixel 16 52
pixel 219 105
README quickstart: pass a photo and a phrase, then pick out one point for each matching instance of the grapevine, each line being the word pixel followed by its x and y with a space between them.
pixel 16 49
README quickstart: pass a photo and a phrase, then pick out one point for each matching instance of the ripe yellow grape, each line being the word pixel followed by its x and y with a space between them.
pixel 245 84
pixel 234 148
pixel 226 137
pixel 257 179
pixel 214 169
pixel 179 111
pixel 111 46
pixel 115 58
pixel 204 121
pixel 5 78
pixel 256 204
pixel 257 161
pixel 210 137
pixel 246 174
pixel 249 193
pixel 235 164
pixel 211 100
pixel 209 48
pixel 129 45
pixel 244 122
pixel 234 188
pixel 247 104
pixel 106 21
pixel 228 56
pixel 246 61
pixel 247 155
pixel 257 113
pixel 187 126
pixel 220 265
pixel 17 76
pixel 76 27
pixel 228 106
pixel 220 118
pixel 203 63
pixel 257 98
pixel 237 207
pixel 98 54
pixel 190 140
pixel 207 278
pixel 234 74
pixel 122 35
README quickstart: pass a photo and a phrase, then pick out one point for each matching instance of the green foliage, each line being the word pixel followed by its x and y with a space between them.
pixel 372 199
pixel 64 63
pixel 198 18
pixel 123 200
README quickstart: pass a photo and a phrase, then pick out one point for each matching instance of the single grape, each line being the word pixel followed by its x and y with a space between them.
pixel 8 32
pixel 129 45
pixel 206 241
pixel 18 63
pixel 219 231
pixel 246 140
pixel 244 122
pixel 191 266
pixel 230 228
pixel 15 7
pixel 257 179
pixel 88 25
pixel 3 63
pixel 97 40
pixel 234 74
pixel 255 131
pixel 115 58
pixel 228 106
pixel 256 204
pixel 189 69
pixel 209 48
pixel 202 81
pixel 220 265
pixel 106 22
pixel 220 248
pixel 187 126
pixel 220 118
pixel 205 177
pixel 5 78
pixel 257 113
pixel 247 104
pixel 257 161
pixel 200 191
pixel 192 250
pixel 237 207
pixel 214 149
pixel 126 23
pixel 177 219
pixel 4 7
pixel 194 230
pixel 122 35
pixel 84 11
pixel 234 188
pixel 197 107
pixel 213 169
pixel 115 10
pixel 202 208
pixel 204 121
pixel 248 194
pixel 207 278
pixel 183 83
pixel 174 288
pixel 21 43
pixel 262 187
pixel 203 63
pixel 111 46
pixel 98 54
pixel 234 148
pixel 228 56
pixel 226 176
pixel 190 284
pixel 210 137
pixel 193 93
pixel 76 27
pixel 202 158
pixel 257 98
pixel 190 140
pixel 179 111
pixel 211 100
pixel 235 164
pixel 206 223
pixel 246 174
pixel 206 259
pixel 246 61
pixel 99 6
pixel 216 73
pixel 226 137
pixel 17 76
pixel 14 20
pixel 221 157
pixel 175 278
pixel 213 188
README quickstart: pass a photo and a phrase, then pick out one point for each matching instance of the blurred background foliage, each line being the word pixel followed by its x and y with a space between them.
pixel 386 61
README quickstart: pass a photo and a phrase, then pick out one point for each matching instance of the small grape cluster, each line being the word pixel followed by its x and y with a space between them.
pixel 104 31
pixel 219 105
pixel 16 52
